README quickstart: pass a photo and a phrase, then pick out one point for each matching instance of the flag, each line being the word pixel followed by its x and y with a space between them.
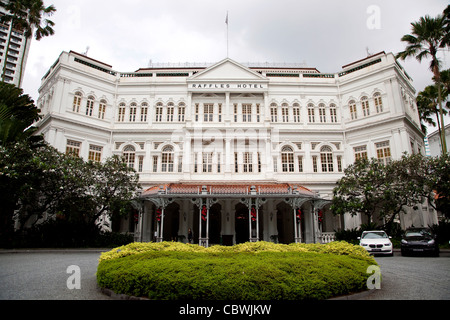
pixel 226 20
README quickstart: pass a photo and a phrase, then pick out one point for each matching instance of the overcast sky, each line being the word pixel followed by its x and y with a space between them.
pixel 325 34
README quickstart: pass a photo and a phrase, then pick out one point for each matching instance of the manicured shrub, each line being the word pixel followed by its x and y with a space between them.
pixel 250 271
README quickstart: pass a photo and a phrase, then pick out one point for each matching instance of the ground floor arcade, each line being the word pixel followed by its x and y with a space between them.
pixel 232 214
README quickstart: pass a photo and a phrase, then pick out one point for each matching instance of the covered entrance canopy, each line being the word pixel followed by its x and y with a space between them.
pixel 199 199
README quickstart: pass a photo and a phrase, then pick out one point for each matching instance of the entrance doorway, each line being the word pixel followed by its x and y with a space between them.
pixel 285 223
pixel 242 227
pixel 215 224
pixel 171 222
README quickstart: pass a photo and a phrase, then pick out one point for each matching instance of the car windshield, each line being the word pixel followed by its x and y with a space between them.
pixel 374 235
pixel 417 233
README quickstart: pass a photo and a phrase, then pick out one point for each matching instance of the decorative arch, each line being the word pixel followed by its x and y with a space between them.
pixel 90 105
pixel 129 155
pixel 326 158
pixel 378 100
pixel 167 158
pixel 287 159
pixel 77 97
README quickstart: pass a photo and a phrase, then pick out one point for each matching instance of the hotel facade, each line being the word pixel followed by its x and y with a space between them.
pixel 234 152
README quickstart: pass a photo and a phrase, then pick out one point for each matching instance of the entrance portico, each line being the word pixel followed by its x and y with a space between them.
pixel 230 213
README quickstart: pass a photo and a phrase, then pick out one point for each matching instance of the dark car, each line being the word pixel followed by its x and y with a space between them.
pixel 419 241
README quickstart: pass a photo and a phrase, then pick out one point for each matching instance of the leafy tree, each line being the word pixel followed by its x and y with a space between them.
pixel 438 180
pixel 17 114
pixel 427 37
pixel 41 184
pixel 384 191
pixel 427 102
pixel 364 189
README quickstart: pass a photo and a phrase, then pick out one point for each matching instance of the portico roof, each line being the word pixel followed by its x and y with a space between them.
pixel 230 189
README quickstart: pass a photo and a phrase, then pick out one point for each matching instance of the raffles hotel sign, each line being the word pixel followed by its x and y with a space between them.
pixel 225 86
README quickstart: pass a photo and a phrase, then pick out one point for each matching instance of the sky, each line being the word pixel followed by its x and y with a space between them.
pixel 324 34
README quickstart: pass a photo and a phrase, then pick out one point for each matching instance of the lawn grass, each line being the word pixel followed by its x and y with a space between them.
pixel 260 271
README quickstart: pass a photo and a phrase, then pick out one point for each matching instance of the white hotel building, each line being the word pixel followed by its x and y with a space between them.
pixel 234 152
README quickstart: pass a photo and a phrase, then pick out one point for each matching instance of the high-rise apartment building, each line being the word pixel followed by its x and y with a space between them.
pixel 14 48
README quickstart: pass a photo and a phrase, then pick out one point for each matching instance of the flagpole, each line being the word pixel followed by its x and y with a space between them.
pixel 226 21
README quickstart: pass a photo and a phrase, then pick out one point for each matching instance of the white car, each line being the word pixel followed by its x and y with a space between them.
pixel 376 242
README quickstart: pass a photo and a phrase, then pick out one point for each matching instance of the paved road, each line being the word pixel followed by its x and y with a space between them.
pixel 43 276
pixel 413 278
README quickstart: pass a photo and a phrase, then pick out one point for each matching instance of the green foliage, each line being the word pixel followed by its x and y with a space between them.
pixel 250 271
pixel 60 233
pixel 348 235
pixel 40 182
pixel 370 187
pixel 17 114
pixel 338 247
pixel 428 36
pixel 28 15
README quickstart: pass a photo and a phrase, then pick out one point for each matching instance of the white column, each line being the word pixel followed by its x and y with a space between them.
pixel 228 155
pixel 226 110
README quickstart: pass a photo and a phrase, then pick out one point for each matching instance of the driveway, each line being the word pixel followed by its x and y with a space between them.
pixel 43 275
pixel 413 278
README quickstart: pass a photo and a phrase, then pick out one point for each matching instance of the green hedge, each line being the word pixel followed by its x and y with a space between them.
pixel 247 272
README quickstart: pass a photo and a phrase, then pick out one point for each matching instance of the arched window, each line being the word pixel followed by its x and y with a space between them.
pixel 365 106
pixel 181 111
pixel 287 159
pixel 311 113
pixel 77 101
pixel 378 102
pixel 353 113
pixel 167 162
pixel 121 117
pixel 159 112
pixel 274 112
pixel 333 113
pixel 129 155
pixel 322 113
pixel 102 109
pixel 144 111
pixel 90 106
pixel 133 111
pixel 296 112
pixel 170 111
pixel 285 112
pixel 326 159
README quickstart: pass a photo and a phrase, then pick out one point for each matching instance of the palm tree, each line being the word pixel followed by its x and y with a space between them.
pixel 446 14
pixel 427 37
pixel 427 104
pixel 27 16
pixel 17 114
pixel 445 80
pixel 426 101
